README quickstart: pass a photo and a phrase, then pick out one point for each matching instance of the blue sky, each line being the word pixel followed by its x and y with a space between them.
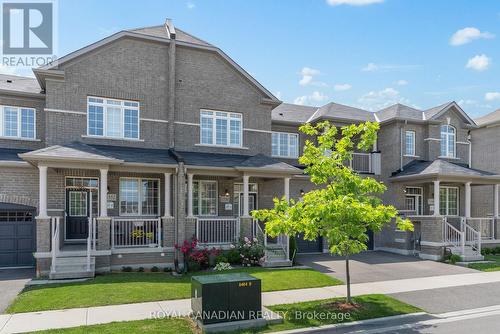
pixel 365 53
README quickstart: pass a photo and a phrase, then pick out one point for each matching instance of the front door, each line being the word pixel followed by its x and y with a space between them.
pixel 78 210
pixel 252 203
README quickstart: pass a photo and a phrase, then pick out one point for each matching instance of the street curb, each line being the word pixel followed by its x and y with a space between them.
pixel 352 323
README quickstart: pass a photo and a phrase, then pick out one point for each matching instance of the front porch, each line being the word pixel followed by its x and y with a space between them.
pixel 437 198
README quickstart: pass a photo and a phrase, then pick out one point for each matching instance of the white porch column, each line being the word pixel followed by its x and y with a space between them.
pixel 167 194
pixel 42 188
pixel 287 188
pixel 467 199
pixel 246 178
pixel 104 193
pixel 495 200
pixel 436 198
pixel 190 195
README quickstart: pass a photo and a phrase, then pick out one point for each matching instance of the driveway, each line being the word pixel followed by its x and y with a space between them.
pixel 375 266
pixel 12 281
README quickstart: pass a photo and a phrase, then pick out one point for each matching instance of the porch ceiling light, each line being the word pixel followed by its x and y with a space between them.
pixel 226 192
pixel 302 192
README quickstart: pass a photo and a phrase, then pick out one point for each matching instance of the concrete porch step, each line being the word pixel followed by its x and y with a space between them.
pixel 277 263
pixel 72 267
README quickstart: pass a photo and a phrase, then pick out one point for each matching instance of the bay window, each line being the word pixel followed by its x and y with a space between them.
pixel 448 138
pixel 448 201
pixel 221 128
pixel 112 118
pixel 139 197
pixel 204 198
pixel 17 122
pixel 285 145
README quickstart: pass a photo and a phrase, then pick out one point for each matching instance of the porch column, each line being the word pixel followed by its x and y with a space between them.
pixel 190 195
pixel 467 199
pixel 104 193
pixel 436 198
pixel 167 194
pixel 246 178
pixel 42 188
pixel 495 201
pixel 287 188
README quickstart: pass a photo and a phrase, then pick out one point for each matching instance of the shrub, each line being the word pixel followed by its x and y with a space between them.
pixel 496 250
pixel 486 251
pixel 200 256
pixel 155 269
pixel 233 256
pixel 127 269
pixel 220 258
pixel 222 266
pixel 167 269
pixel 454 258
pixel 193 266
pixel 140 270
pixel 251 251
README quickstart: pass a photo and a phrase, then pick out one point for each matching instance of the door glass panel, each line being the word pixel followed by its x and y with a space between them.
pixel 78 203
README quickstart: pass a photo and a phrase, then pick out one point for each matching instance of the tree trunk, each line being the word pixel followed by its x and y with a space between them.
pixel 348 278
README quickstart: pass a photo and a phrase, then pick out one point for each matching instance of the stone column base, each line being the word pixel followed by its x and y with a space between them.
pixel 246 227
pixel 103 226
pixel 168 231
pixel 43 234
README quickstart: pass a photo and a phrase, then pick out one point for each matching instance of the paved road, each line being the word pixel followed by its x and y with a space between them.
pixel 454 298
pixel 379 266
pixel 12 281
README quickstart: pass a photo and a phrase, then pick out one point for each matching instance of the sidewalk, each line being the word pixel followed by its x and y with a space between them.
pixel 33 321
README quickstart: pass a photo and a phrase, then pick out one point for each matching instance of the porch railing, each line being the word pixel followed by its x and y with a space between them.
pixel 361 162
pixel 453 236
pixel 217 230
pixel 135 232
pixel 91 239
pixel 485 226
pixel 472 237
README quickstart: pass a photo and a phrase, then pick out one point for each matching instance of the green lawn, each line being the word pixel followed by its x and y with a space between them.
pixel 494 266
pixel 123 288
pixel 372 306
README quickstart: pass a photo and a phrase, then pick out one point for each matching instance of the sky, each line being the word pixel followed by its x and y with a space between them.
pixel 364 53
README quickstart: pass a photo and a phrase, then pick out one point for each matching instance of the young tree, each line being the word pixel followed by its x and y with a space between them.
pixel 345 206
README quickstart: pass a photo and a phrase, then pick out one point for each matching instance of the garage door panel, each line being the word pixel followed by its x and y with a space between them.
pixel 309 246
pixel 7 230
pixel 17 238
pixel 25 244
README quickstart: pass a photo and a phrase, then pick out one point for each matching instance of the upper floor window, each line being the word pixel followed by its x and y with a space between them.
pixel 410 143
pixel 17 122
pixel 112 118
pixel 285 145
pixel 448 141
pixel 220 128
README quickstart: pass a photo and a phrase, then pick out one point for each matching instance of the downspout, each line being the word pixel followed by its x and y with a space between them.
pixel 470 148
pixel 171 83
pixel 401 148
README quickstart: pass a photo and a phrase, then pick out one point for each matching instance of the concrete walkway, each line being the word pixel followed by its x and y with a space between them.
pixel 32 321
pixel 12 282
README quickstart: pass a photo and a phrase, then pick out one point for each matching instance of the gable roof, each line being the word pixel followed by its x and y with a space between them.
pixel 491 118
pixel 418 169
pixel 292 113
pixel 339 111
pixel 155 33
pixel 436 112
pixel 399 110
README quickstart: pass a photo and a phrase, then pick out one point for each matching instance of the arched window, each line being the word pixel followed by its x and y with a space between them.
pixel 448 141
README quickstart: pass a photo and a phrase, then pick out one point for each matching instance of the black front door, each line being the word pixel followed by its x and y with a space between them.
pixel 78 211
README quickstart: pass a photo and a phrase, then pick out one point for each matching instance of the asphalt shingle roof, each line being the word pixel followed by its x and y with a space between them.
pixel 438 167
pixel 19 84
pixel 10 154
pixel 334 110
pixel 180 35
pixel 399 110
pixel 292 113
pixel 489 118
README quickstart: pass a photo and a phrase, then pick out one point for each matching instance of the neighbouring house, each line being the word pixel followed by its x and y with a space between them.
pixel 152 136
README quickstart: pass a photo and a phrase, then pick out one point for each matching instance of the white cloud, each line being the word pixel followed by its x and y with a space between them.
pixel 342 87
pixel 467 35
pixel 312 99
pixel 492 96
pixel 353 2
pixel 308 75
pixel 376 100
pixel 16 70
pixel 278 95
pixel 190 5
pixel 401 82
pixel 372 67
pixel 479 63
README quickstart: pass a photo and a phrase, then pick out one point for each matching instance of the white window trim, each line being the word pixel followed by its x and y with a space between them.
pixel 421 195
pixel 139 213
pixel 447 153
pixel 414 136
pixel 447 195
pixel 289 134
pixel 122 108
pixel 19 123
pixel 214 128
pixel 199 197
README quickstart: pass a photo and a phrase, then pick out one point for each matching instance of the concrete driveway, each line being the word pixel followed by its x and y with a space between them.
pixel 12 281
pixel 375 266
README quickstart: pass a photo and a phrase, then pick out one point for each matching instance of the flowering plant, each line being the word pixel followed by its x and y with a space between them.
pixel 223 266
pixel 251 251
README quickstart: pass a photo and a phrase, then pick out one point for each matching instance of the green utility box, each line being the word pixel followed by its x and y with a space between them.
pixel 225 297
